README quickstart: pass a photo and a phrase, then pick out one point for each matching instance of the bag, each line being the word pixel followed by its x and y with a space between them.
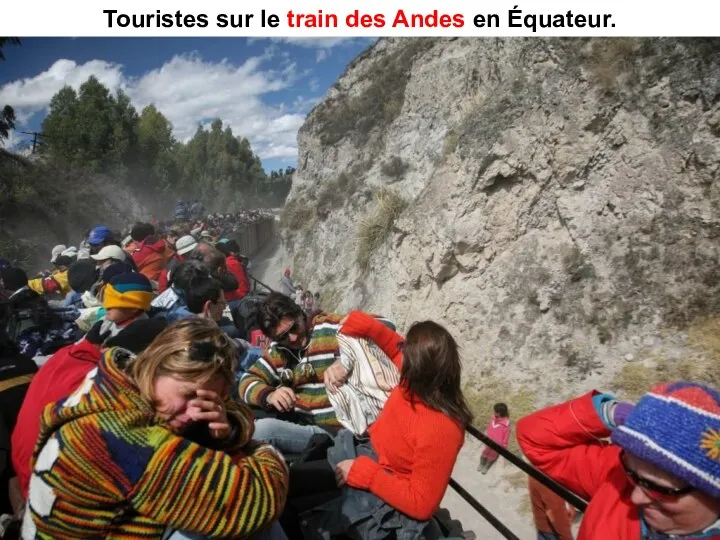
pixel 29 312
pixel 245 314
pixel 35 327
pixel 372 378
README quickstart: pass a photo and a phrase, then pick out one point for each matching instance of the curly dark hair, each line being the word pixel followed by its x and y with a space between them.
pixel 273 309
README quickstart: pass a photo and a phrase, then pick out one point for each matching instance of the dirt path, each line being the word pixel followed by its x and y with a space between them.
pixel 502 491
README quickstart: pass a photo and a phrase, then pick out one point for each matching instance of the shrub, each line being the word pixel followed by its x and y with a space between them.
pixel 394 168
pixel 375 228
pixel 297 215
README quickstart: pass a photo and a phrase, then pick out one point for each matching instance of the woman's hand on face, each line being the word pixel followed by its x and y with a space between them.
pixel 342 471
pixel 208 407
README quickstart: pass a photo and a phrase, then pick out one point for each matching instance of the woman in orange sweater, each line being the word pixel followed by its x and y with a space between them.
pixel 419 433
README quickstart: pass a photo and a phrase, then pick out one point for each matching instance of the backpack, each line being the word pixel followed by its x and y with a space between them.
pixel 29 313
pixel 245 314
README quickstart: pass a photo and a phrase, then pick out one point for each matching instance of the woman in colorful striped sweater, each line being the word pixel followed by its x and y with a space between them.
pixel 151 442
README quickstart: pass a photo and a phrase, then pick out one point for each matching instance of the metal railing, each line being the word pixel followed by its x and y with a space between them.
pixel 256 282
pixel 570 497
pixel 562 491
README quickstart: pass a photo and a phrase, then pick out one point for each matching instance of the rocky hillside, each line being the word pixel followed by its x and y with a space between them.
pixel 554 202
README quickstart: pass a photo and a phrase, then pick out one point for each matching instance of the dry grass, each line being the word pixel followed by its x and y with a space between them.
pixel 705 337
pixel 524 507
pixel 516 478
pixel 450 143
pixel 298 214
pixel 483 395
pixel 376 227
pixel 700 365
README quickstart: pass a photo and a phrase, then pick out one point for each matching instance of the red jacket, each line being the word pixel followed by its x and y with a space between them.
pixel 567 443
pixel 56 379
pixel 236 268
pixel 150 256
pixel 416 446
pixel 164 278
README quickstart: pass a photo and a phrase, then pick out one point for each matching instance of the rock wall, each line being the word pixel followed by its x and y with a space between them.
pixel 559 196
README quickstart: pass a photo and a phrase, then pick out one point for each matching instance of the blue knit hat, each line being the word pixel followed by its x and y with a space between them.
pixel 676 427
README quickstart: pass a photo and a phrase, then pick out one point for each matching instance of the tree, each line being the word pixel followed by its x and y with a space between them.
pixel 124 121
pixel 7 115
pixel 92 129
pixel 156 148
pixel 7 41
pixel 94 120
pixel 7 121
pixel 62 134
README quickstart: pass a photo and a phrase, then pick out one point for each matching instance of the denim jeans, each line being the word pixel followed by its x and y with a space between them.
pixel 273 533
pixel 285 436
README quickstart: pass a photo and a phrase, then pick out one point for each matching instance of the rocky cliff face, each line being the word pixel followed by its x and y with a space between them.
pixel 554 202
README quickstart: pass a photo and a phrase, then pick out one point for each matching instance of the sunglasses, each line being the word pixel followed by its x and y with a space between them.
pixel 296 325
pixel 651 489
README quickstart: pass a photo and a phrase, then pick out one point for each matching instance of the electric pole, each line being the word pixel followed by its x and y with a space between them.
pixel 35 135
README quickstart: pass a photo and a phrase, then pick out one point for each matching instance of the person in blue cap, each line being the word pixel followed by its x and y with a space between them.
pixel 100 237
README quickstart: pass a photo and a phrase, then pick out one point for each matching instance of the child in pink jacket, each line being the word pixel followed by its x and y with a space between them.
pixel 498 429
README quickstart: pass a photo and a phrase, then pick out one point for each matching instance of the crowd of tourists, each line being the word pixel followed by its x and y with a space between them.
pixel 147 392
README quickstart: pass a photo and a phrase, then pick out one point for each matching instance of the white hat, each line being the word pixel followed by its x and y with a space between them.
pixel 57 251
pixel 206 234
pixel 110 252
pixel 70 252
pixel 185 244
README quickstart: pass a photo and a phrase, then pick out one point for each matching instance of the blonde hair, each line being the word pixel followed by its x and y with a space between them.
pixel 193 349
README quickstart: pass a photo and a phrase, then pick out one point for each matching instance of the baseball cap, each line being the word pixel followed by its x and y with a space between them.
pixel 57 251
pixel 185 244
pixel 110 252
pixel 70 252
pixel 98 235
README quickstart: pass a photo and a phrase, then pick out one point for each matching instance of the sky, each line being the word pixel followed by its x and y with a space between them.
pixel 263 88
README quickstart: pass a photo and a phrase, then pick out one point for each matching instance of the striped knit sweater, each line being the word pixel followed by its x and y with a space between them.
pixel 312 404
pixel 106 467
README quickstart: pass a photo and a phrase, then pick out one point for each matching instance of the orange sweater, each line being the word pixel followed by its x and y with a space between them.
pixel 416 446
